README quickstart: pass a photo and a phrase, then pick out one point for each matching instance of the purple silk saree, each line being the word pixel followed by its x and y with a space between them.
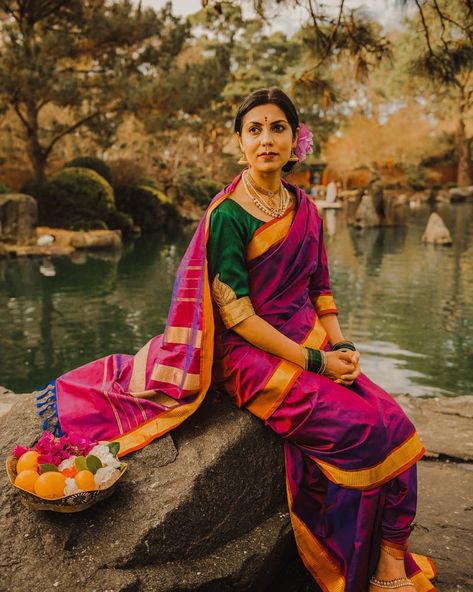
pixel 350 452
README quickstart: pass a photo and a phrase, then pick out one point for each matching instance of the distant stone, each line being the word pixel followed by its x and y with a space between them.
pixel 18 218
pixel 366 215
pixel 436 232
pixel 459 194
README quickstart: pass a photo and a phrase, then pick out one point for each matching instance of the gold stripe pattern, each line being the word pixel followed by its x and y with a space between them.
pixel 397 461
pixel 237 311
pixel 422 583
pixel 315 557
pixel 270 234
pixel 280 382
pixel 183 335
pixel 138 376
pixel 173 375
pixel 324 304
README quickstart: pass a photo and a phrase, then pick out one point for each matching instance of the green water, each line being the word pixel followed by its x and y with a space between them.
pixel 409 307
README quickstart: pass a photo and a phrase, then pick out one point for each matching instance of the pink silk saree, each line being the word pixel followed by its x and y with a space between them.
pixel 349 449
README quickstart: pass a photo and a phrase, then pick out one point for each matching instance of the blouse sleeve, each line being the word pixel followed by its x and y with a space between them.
pixel 319 284
pixel 228 274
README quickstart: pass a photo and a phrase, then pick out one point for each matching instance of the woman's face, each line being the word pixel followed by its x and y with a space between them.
pixel 266 138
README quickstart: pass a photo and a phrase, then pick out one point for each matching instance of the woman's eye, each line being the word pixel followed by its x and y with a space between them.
pixel 254 130
pixel 278 127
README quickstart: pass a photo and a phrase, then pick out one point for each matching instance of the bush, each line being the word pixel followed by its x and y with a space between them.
pixel 92 163
pixel 120 221
pixel 73 196
pixel 201 191
pixel 89 225
pixel 4 188
pixel 150 208
pixel 127 173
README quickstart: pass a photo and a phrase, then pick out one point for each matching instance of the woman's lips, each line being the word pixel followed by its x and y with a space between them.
pixel 268 154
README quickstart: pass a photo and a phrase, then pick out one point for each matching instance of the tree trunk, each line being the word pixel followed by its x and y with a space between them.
pixel 36 152
pixel 463 150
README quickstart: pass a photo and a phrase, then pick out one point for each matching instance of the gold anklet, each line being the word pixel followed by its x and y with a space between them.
pixel 393 552
pixel 397 583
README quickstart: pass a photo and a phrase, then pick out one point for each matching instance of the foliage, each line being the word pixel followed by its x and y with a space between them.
pixel 117 220
pixel 126 172
pixel 75 196
pixel 4 188
pixel 201 191
pixel 93 163
pixel 94 59
pixel 150 209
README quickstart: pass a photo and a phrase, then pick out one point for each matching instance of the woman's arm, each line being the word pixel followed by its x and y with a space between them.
pixel 262 334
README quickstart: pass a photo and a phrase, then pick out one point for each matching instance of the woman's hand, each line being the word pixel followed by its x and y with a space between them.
pixel 342 366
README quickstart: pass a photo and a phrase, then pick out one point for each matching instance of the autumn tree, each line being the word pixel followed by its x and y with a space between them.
pixel 93 59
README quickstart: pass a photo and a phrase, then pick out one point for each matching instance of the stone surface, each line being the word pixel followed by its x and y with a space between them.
pixel 366 215
pixel 213 499
pixel 204 510
pixel 436 232
pixel 459 194
pixel 18 218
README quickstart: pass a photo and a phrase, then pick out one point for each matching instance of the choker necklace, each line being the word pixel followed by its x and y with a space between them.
pixel 270 194
pixel 260 202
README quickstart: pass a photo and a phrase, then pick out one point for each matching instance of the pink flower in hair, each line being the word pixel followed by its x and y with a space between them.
pixel 305 142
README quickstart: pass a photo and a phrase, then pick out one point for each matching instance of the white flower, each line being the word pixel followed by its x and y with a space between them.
pixel 105 476
pixel 67 463
pixel 102 452
pixel 71 486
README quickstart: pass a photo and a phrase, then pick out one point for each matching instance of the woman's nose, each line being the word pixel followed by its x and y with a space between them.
pixel 266 137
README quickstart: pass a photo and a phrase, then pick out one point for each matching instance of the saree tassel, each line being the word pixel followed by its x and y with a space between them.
pixel 46 403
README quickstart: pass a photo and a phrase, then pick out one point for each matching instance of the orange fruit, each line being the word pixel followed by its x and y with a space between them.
pixel 28 460
pixel 85 480
pixel 70 472
pixel 26 479
pixel 50 485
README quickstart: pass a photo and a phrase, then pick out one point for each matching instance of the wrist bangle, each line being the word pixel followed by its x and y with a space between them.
pixel 345 344
pixel 316 361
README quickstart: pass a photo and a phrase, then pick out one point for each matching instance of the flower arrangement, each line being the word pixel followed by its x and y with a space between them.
pixel 305 142
pixel 60 466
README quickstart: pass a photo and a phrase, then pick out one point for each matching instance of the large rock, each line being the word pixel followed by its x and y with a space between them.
pixel 459 194
pixel 18 218
pixel 203 509
pixel 366 215
pixel 436 232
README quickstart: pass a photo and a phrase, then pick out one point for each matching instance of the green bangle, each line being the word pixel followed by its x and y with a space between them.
pixel 315 360
pixel 344 345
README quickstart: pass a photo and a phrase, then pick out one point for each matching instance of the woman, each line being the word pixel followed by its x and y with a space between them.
pixel 252 310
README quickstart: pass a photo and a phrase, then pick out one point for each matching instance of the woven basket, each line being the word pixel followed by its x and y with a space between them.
pixel 76 502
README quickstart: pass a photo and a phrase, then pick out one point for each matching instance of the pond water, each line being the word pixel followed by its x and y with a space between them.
pixel 409 307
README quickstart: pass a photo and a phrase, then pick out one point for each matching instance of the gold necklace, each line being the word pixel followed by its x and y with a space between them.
pixel 259 201
pixel 268 193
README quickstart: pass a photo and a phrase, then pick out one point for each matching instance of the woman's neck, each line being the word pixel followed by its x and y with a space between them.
pixel 269 181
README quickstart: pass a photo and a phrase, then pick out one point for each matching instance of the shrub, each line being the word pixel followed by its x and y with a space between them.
pixel 150 208
pixel 74 195
pixel 201 191
pixel 89 225
pixel 117 220
pixel 126 172
pixel 94 164
pixel 4 188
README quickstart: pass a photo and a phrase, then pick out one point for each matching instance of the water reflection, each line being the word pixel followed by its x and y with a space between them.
pixel 408 306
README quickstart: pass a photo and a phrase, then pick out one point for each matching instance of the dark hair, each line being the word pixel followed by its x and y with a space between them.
pixel 263 96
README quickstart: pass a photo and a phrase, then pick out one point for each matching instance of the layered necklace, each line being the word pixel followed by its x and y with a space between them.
pixel 265 199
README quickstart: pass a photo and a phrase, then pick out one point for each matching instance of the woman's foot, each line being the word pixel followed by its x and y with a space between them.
pixel 390 569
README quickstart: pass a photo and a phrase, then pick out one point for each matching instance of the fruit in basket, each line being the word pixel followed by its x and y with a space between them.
pixel 27 479
pixel 50 485
pixel 85 480
pixel 28 460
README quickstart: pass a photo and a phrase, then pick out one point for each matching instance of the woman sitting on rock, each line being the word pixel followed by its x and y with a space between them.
pixel 253 314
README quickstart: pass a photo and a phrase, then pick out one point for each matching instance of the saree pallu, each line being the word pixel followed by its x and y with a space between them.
pixel 343 446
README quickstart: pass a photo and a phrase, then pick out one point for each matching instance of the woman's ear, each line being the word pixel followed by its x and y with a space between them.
pixel 239 141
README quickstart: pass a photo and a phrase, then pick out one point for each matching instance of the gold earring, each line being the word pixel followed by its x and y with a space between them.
pixel 293 157
pixel 243 159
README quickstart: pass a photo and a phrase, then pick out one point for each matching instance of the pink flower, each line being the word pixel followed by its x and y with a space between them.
pixel 305 142
pixel 19 450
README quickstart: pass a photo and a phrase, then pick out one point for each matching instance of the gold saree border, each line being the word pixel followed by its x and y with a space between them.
pixel 173 375
pixel 324 304
pixel 182 335
pixel 236 311
pixel 270 234
pixel 168 420
pixel 265 403
pixel 397 461
pixel 313 554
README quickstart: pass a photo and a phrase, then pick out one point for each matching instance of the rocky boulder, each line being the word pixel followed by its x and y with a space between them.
pixel 202 509
pixel 460 194
pixel 18 218
pixel 436 232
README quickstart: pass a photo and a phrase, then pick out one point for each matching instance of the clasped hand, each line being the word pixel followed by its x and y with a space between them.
pixel 343 366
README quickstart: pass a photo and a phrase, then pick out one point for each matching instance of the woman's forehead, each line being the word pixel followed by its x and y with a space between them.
pixel 264 114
